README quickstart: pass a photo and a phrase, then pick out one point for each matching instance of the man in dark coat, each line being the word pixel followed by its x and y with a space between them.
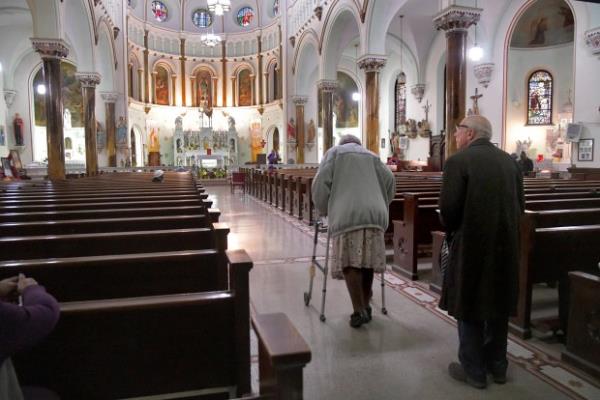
pixel 481 203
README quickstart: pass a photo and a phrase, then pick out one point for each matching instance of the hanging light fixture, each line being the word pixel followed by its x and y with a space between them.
pixel 219 7
pixel 476 52
pixel 402 76
pixel 210 39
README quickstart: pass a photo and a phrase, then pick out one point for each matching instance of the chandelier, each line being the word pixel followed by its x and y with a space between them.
pixel 210 39
pixel 219 6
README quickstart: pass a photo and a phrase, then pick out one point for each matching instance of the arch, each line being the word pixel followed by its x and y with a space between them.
pixel 104 66
pixel 161 62
pixel 307 37
pixel 380 11
pixel 335 37
pixel 205 66
pixel 80 32
pixel 104 25
pixel 245 87
pixel 273 138
pixel 241 66
pixel 46 17
pixel 139 146
pixel 162 83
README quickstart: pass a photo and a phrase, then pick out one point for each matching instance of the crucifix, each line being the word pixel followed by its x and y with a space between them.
pixel 427 107
pixel 475 98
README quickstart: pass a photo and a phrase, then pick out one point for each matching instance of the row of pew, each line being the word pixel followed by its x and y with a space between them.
pixel 152 302
pixel 560 237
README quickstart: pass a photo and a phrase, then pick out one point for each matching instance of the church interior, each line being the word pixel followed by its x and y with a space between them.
pixel 158 158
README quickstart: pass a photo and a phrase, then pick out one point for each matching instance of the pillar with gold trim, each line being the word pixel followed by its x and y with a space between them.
pixel 89 81
pixel 300 102
pixel 372 65
pixel 326 89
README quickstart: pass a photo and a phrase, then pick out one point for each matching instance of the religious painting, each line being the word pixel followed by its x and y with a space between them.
pixel 539 108
pixel 245 16
pixel 585 150
pixel 244 88
pixel 154 145
pixel 544 23
pixel 2 136
pixel 162 86
pixel 71 96
pixel 122 132
pixel 400 104
pixel 204 80
pixel 256 140
pixel 344 107
pixel 160 11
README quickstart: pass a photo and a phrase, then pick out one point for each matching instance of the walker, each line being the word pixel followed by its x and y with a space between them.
pixel 320 227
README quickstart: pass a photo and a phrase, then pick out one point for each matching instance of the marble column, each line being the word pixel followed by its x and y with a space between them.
pixel 182 60
pixel 326 89
pixel 174 90
pixel 260 71
pixel 233 92
pixel 89 81
pixel 253 79
pixel 140 84
pixel 266 75
pixel 111 142
pixel 372 65
pixel 146 77
pixel 455 20
pixel 194 91
pixel 52 52
pixel 300 101
pixel 154 74
pixel 224 73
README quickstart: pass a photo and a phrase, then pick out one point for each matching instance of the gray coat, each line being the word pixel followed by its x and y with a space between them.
pixel 481 203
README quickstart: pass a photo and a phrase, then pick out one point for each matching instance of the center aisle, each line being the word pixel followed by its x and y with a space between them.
pixel 400 356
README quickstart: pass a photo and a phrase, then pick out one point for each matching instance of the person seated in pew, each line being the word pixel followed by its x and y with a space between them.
pixel 27 315
pixel 159 175
pixel 354 189
pixel 481 202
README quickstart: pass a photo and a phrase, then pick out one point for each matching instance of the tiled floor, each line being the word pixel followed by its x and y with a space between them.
pixel 403 355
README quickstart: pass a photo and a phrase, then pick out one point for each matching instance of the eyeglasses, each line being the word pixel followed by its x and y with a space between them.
pixel 462 126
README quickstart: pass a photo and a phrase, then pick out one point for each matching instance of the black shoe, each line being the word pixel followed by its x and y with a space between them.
pixel 369 311
pixel 457 372
pixel 357 319
pixel 498 377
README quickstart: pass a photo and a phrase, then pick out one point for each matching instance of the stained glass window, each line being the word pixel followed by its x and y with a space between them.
pixel 160 11
pixel 244 16
pixel 202 18
pixel 539 108
pixel 276 8
pixel 400 114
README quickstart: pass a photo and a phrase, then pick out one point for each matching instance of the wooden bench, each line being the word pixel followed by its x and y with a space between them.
pixel 583 339
pixel 80 245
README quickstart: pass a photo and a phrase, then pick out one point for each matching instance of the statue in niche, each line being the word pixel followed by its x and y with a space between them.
pixel 67 119
pixel 178 143
pixel 154 144
pixel 291 131
pixel 178 122
pixel 18 128
pixel 311 132
pixel 231 123
pixel 122 132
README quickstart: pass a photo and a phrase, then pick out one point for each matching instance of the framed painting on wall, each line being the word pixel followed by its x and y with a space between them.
pixel 585 150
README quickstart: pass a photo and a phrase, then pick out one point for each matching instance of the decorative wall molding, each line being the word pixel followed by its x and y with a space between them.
pixel 457 18
pixel 9 97
pixel 50 48
pixel 483 73
pixel 300 100
pixel 592 40
pixel 418 91
pixel 110 97
pixel 88 79
pixel 327 85
pixel 372 63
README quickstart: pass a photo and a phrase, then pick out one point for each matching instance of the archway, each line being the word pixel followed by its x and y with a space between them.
pixel 539 82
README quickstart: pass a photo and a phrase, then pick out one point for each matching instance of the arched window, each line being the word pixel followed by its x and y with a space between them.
pixel 202 18
pixel 162 86
pixel 539 96
pixel 160 11
pixel 399 104
pixel 244 88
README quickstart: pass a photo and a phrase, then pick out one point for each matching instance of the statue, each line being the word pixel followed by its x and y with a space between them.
pixel 423 129
pixel 178 122
pixel 395 142
pixel 67 119
pixel 231 123
pixel 312 132
pixel 291 131
pixel 523 145
pixel 411 128
pixel 475 98
pixel 154 145
pixel 122 132
pixel 18 127
pixel 100 136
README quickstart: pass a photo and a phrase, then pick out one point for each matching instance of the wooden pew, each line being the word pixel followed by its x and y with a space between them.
pixel 546 253
pixel 125 275
pixel 199 343
pixel 583 339
pixel 80 245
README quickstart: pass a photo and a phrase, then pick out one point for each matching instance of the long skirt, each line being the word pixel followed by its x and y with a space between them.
pixel 362 248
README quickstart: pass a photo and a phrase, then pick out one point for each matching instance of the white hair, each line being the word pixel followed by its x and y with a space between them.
pixel 349 139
